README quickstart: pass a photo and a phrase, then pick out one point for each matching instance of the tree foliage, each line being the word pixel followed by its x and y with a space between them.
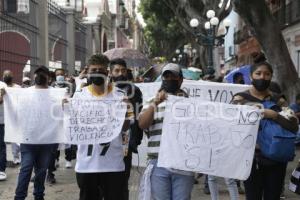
pixel 258 17
pixel 185 10
pixel 163 32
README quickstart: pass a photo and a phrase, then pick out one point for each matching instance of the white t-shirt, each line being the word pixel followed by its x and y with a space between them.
pixel 89 160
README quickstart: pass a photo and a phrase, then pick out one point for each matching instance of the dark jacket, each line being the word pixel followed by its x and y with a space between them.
pixel 136 99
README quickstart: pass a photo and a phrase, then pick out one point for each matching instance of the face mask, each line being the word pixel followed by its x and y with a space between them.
pixel 97 78
pixel 60 79
pixel 40 79
pixel 121 79
pixel 7 80
pixel 261 84
pixel 170 86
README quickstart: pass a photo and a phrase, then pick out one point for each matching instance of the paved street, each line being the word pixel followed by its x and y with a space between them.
pixel 66 188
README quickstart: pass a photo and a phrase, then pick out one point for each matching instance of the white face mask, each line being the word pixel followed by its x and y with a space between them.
pixel 60 79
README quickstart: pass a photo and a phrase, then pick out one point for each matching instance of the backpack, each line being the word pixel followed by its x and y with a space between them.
pixel 275 142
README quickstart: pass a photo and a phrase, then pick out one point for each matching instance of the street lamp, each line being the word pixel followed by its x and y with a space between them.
pixel 210 39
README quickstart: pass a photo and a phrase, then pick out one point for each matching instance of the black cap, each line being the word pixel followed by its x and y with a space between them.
pixel 42 69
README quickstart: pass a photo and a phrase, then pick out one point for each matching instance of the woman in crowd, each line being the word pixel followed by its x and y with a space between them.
pixel 267 176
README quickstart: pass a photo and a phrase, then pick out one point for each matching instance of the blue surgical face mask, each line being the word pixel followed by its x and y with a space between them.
pixel 60 79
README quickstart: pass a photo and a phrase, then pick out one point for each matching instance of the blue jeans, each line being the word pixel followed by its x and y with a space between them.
pixel 214 191
pixel 2 149
pixel 35 157
pixel 167 185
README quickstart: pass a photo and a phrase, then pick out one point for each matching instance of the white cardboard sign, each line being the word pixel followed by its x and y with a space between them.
pixel 209 137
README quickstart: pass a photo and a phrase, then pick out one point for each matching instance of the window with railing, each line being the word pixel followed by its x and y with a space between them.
pixel 298 8
pixel 14 6
pixel 288 14
pixel 10 6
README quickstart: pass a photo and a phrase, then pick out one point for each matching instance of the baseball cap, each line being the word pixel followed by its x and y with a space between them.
pixel 42 69
pixel 173 68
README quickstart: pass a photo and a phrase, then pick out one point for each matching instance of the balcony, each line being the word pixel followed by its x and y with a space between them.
pixel 288 14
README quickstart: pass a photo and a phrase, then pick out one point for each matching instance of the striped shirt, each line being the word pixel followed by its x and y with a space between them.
pixel 155 130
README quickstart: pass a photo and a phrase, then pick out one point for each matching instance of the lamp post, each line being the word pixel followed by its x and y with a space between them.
pixel 210 39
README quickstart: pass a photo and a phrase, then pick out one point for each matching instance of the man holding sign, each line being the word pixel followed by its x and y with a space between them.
pixel 165 183
pixel 25 108
pixel 119 76
pixel 99 167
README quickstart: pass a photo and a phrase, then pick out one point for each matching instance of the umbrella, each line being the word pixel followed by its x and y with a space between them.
pixel 133 57
pixel 245 70
pixel 153 72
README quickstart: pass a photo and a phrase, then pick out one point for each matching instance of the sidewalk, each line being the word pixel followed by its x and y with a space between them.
pixel 66 187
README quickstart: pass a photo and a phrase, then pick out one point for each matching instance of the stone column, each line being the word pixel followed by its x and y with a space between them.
pixel 42 41
pixel 71 40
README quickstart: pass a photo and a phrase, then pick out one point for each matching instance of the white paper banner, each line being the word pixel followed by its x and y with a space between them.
pixel 34 116
pixel 210 91
pixel 207 137
pixel 89 121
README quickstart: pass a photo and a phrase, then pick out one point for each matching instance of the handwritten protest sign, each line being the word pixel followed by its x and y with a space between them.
pixel 34 116
pixel 89 121
pixel 208 137
pixel 204 90
pixel 210 91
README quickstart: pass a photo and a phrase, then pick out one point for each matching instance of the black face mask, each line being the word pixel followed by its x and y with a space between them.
pixel 40 79
pixel 96 78
pixel 170 86
pixel 7 80
pixel 261 84
pixel 120 79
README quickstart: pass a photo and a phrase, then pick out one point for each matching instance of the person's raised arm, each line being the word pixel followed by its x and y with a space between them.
pixel 147 115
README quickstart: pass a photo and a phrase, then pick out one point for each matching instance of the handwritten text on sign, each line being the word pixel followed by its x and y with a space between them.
pixel 93 121
pixel 209 91
pixel 34 116
pixel 204 90
pixel 211 138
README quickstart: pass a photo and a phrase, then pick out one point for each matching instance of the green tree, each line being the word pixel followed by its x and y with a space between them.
pixel 163 32
pixel 186 10
pixel 257 15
